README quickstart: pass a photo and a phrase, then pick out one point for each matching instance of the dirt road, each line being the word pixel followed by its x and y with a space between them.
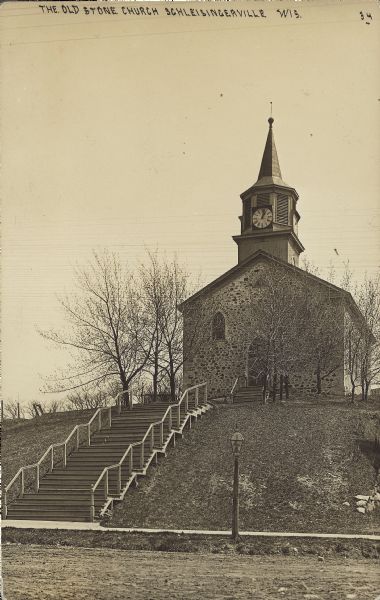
pixel 51 573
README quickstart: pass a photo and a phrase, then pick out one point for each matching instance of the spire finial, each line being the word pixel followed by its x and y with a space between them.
pixel 269 164
pixel 271 120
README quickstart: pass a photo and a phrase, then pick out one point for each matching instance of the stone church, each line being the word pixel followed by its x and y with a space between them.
pixel 221 347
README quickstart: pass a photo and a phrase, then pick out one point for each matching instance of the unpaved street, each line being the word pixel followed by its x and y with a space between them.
pixel 42 573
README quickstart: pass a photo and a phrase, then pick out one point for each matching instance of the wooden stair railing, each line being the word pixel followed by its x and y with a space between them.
pixel 50 455
pixel 153 442
pixel 150 437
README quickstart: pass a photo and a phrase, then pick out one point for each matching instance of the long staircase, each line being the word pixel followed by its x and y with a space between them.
pixel 118 446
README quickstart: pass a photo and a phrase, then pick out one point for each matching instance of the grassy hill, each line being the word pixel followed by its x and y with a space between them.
pixel 23 441
pixel 299 464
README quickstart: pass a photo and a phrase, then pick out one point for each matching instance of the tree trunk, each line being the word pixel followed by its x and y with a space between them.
pixel 353 386
pixel 281 385
pixel 287 387
pixel 319 379
pixel 172 386
pixel 155 376
pixel 366 390
pixel 265 387
pixel 126 400
pixel 274 387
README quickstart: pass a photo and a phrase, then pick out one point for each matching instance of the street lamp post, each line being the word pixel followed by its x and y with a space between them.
pixel 236 443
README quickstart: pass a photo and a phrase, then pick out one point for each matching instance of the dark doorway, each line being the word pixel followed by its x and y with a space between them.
pixel 255 374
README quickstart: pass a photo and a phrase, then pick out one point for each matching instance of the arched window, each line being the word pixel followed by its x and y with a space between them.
pixel 218 327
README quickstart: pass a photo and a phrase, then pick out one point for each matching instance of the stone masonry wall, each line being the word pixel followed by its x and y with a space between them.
pixel 220 362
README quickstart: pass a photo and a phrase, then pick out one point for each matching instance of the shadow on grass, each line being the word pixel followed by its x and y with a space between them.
pixel 371 449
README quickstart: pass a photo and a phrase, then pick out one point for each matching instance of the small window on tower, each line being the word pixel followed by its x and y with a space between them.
pixel 282 209
pixel 218 327
pixel 247 213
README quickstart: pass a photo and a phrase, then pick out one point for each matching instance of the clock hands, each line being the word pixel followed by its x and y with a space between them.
pixel 262 217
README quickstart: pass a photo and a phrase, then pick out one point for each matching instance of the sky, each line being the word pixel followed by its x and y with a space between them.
pixel 133 133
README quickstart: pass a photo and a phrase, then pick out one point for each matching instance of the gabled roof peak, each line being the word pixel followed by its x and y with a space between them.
pixel 247 262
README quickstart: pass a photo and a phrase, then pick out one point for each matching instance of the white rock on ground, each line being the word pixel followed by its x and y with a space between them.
pixel 370 506
pixel 361 502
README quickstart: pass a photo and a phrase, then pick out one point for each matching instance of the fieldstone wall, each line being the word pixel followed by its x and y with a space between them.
pixel 220 362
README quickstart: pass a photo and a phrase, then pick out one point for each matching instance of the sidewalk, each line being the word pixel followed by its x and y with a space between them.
pixel 75 526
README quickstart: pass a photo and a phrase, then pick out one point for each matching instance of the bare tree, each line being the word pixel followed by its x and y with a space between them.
pixel 13 410
pixel 323 333
pixel 166 285
pixel 176 290
pixel 55 406
pixel 352 355
pixel 297 327
pixel 83 399
pixel 153 292
pixel 276 329
pixel 106 331
pixel 369 348
pixel 362 335
pixel 310 267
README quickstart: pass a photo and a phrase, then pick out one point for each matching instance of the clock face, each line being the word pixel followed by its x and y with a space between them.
pixel 262 217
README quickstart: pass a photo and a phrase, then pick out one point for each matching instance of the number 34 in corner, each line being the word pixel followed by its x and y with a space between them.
pixel 366 17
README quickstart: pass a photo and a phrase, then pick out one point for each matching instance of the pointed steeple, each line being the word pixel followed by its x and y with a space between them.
pixel 269 219
pixel 270 166
pixel 270 172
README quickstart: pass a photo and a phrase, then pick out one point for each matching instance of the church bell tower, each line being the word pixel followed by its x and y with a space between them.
pixel 270 218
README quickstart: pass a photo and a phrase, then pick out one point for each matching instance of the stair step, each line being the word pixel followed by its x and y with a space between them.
pixel 58 493
pixel 65 493
pixel 59 516
pixel 49 510
pixel 260 395
pixel 78 473
pixel 51 504
pixel 58 502
pixel 91 462
pixel 53 492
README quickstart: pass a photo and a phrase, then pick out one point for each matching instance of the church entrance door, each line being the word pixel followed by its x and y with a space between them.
pixel 255 375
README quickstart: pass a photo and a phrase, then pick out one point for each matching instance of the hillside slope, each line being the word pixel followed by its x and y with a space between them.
pixel 24 441
pixel 299 464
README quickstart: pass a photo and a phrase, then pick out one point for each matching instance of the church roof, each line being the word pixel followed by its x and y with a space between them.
pixel 270 172
pixel 236 270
